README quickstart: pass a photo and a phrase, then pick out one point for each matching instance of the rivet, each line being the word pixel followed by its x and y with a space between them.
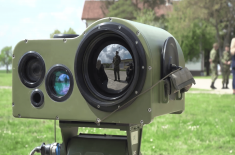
pixel 138 33
pixel 84 33
pixel 150 67
pixel 98 106
pixel 13 56
pixel 141 122
pixel 64 40
pixel 136 42
pixel 142 67
pixel 149 110
pixel 98 120
pixel 26 40
pixel 119 27
pixel 110 19
pixel 57 117
pixel 136 92
pixel 13 104
pixel 19 115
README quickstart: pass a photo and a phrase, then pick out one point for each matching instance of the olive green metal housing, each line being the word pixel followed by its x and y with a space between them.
pixel 75 108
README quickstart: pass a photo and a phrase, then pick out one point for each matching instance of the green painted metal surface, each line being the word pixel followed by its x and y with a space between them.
pixel 75 108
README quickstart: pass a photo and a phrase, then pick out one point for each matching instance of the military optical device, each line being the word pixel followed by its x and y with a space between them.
pixel 116 74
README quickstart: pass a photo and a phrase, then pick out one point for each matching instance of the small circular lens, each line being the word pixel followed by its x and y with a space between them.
pixel 31 69
pixel 59 83
pixel 37 98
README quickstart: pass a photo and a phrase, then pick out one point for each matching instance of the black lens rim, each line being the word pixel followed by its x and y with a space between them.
pixel 21 69
pixel 35 104
pixel 50 90
pixel 141 67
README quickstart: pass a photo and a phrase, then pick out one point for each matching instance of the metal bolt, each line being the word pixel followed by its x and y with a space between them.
pixel 110 19
pixel 98 106
pixel 136 92
pixel 141 122
pixel 142 67
pixel 64 40
pixel 119 27
pixel 149 110
pixel 98 120
pixel 150 67
pixel 57 117
pixel 26 40
pixel 13 56
pixel 138 33
pixel 13 104
pixel 19 115
pixel 136 42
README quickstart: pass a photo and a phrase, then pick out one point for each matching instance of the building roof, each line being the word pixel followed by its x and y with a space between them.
pixel 92 10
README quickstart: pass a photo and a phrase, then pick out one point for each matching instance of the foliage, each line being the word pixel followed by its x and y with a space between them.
pixel 148 16
pixel 195 36
pixel 6 57
pixel 55 32
pixel 70 31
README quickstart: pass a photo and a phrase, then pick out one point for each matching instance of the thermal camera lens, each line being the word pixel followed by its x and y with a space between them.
pixel 31 69
pixel 61 83
pixel 34 69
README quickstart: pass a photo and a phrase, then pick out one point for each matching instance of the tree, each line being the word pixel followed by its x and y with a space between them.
pixel 70 31
pixel 55 32
pixel 6 57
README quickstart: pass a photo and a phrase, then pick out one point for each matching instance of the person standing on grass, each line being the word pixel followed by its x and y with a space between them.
pixel 116 62
pixel 232 50
pixel 214 60
pixel 226 61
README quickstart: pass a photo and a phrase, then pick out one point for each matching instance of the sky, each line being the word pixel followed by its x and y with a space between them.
pixel 37 19
pixel 107 54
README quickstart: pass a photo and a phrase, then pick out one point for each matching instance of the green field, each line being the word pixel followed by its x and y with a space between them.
pixel 207 127
pixel 5 78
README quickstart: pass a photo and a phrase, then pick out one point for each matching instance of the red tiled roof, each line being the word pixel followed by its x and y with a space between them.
pixel 93 10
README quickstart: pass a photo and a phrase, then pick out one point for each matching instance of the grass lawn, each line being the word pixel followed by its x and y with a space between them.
pixel 5 78
pixel 209 77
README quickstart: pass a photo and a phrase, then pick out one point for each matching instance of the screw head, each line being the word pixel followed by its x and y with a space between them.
pixel 57 117
pixel 110 19
pixel 149 109
pixel 150 67
pixel 19 115
pixel 13 104
pixel 98 120
pixel 142 67
pixel 13 56
pixel 98 106
pixel 26 40
pixel 141 122
pixel 137 33
pixel 136 92
pixel 64 40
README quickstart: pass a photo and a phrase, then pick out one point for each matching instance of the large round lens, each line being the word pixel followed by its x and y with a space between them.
pixel 59 83
pixel 31 69
pixel 114 68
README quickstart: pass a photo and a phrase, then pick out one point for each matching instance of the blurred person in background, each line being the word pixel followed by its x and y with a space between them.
pixel 214 60
pixel 232 50
pixel 226 63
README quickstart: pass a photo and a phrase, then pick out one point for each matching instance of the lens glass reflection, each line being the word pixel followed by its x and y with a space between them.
pixel 60 82
pixel 114 68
